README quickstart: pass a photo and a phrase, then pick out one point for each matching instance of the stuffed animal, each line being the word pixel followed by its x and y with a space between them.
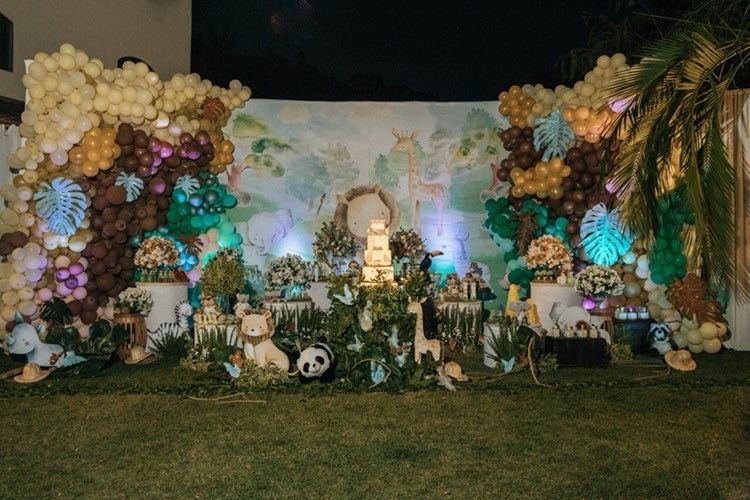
pixel 24 339
pixel 317 362
pixel 660 335
pixel 256 330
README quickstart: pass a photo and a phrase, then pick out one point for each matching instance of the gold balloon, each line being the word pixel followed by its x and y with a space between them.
pixel 518 191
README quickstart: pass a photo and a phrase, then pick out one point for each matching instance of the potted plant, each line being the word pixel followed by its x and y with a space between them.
pixel 505 340
pixel 224 276
pixel 288 277
pixel 334 246
pixel 596 283
pixel 131 308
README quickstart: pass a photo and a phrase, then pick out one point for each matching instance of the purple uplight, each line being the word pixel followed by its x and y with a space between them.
pixel 588 304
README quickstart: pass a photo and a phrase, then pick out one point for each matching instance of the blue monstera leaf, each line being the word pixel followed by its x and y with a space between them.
pixel 604 238
pixel 61 204
pixel 131 183
pixel 553 136
pixel 188 184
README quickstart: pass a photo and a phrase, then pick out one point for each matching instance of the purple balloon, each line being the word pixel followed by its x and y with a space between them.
pixel 157 160
pixel 71 282
pixel 154 145
pixel 62 274
pixel 202 137
pixel 82 278
pixel 166 150
pixel 75 269
pixel 194 153
pixel 182 152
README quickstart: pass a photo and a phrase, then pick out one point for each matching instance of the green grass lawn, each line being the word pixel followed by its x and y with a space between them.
pixel 598 433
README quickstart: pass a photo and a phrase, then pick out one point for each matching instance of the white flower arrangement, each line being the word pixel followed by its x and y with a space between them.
pixel 332 242
pixel 549 255
pixel 134 301
pixel 288 271
pixel 598 280
pixel 156 252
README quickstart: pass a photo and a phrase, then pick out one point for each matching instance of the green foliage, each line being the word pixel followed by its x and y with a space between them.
pixel 103 339
pixel 66 336
pixel 415 283
pixel 305 325
pixel 224 275
pixel 255 377
pixel 56 312
pixel 173 343
pixel 332 242
pixel 211 349
pixel 508 337
pixel 460 329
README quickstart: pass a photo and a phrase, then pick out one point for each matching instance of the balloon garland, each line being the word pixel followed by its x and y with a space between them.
pixel 104 151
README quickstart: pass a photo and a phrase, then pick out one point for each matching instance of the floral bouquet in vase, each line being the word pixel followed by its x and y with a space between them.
pixel 156 260
pixel 406 247
pixel 595 283
pixel 134 301
pixel 333 245
pixel 288 277
pixel 549 258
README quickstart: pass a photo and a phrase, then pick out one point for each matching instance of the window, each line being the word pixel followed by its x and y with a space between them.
pixel 6 43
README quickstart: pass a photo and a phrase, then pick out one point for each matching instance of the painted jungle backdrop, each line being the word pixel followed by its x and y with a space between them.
pixel 295 158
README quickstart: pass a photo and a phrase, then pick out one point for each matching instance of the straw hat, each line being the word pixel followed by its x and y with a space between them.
pixel 680 360
pixel 137 355
pixel 31 373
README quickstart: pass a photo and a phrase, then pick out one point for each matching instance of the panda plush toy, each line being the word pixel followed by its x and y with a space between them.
pixel 316 363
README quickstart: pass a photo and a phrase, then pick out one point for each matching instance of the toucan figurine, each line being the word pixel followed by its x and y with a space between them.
pixel 429 313
pixel 426 263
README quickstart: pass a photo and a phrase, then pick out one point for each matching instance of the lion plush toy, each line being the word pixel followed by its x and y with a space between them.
pixel 256 330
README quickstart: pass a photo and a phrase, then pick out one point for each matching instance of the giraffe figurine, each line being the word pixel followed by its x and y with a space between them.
pixel 422 345
pixel 419 190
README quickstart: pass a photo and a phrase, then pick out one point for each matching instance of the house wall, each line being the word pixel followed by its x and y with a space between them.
pixel 157 31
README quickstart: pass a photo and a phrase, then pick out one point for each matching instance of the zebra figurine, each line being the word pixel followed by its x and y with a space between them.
pixel 183 312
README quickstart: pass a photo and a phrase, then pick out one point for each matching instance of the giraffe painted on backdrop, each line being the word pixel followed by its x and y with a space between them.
pixel 419 190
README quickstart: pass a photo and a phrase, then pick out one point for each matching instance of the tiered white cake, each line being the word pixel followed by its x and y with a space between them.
pixel 378 265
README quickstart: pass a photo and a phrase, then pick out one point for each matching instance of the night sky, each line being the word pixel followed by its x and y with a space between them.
pixel 378 50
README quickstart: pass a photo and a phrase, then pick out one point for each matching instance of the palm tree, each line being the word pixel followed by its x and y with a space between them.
pixel 674 102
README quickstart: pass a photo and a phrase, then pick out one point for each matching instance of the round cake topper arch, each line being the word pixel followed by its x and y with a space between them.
pixel 357 206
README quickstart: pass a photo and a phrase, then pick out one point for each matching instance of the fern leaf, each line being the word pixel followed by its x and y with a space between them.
pixel 62 204
pixel 132 184
pixel 188 184
pixel 553 136
pixel 603 236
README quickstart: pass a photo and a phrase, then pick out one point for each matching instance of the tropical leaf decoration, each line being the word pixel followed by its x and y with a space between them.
pixel 62 204
pixel 671 131
pixel 188 184
pixel 553 136
pixel 604 238
pixel 690 296
pixel 132 184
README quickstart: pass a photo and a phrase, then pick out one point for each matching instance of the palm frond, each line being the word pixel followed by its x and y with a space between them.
pixel 188 184
pixel 553 136
pixel 603 236
pixel 62 204
pixel 132 184
pixel 675 99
